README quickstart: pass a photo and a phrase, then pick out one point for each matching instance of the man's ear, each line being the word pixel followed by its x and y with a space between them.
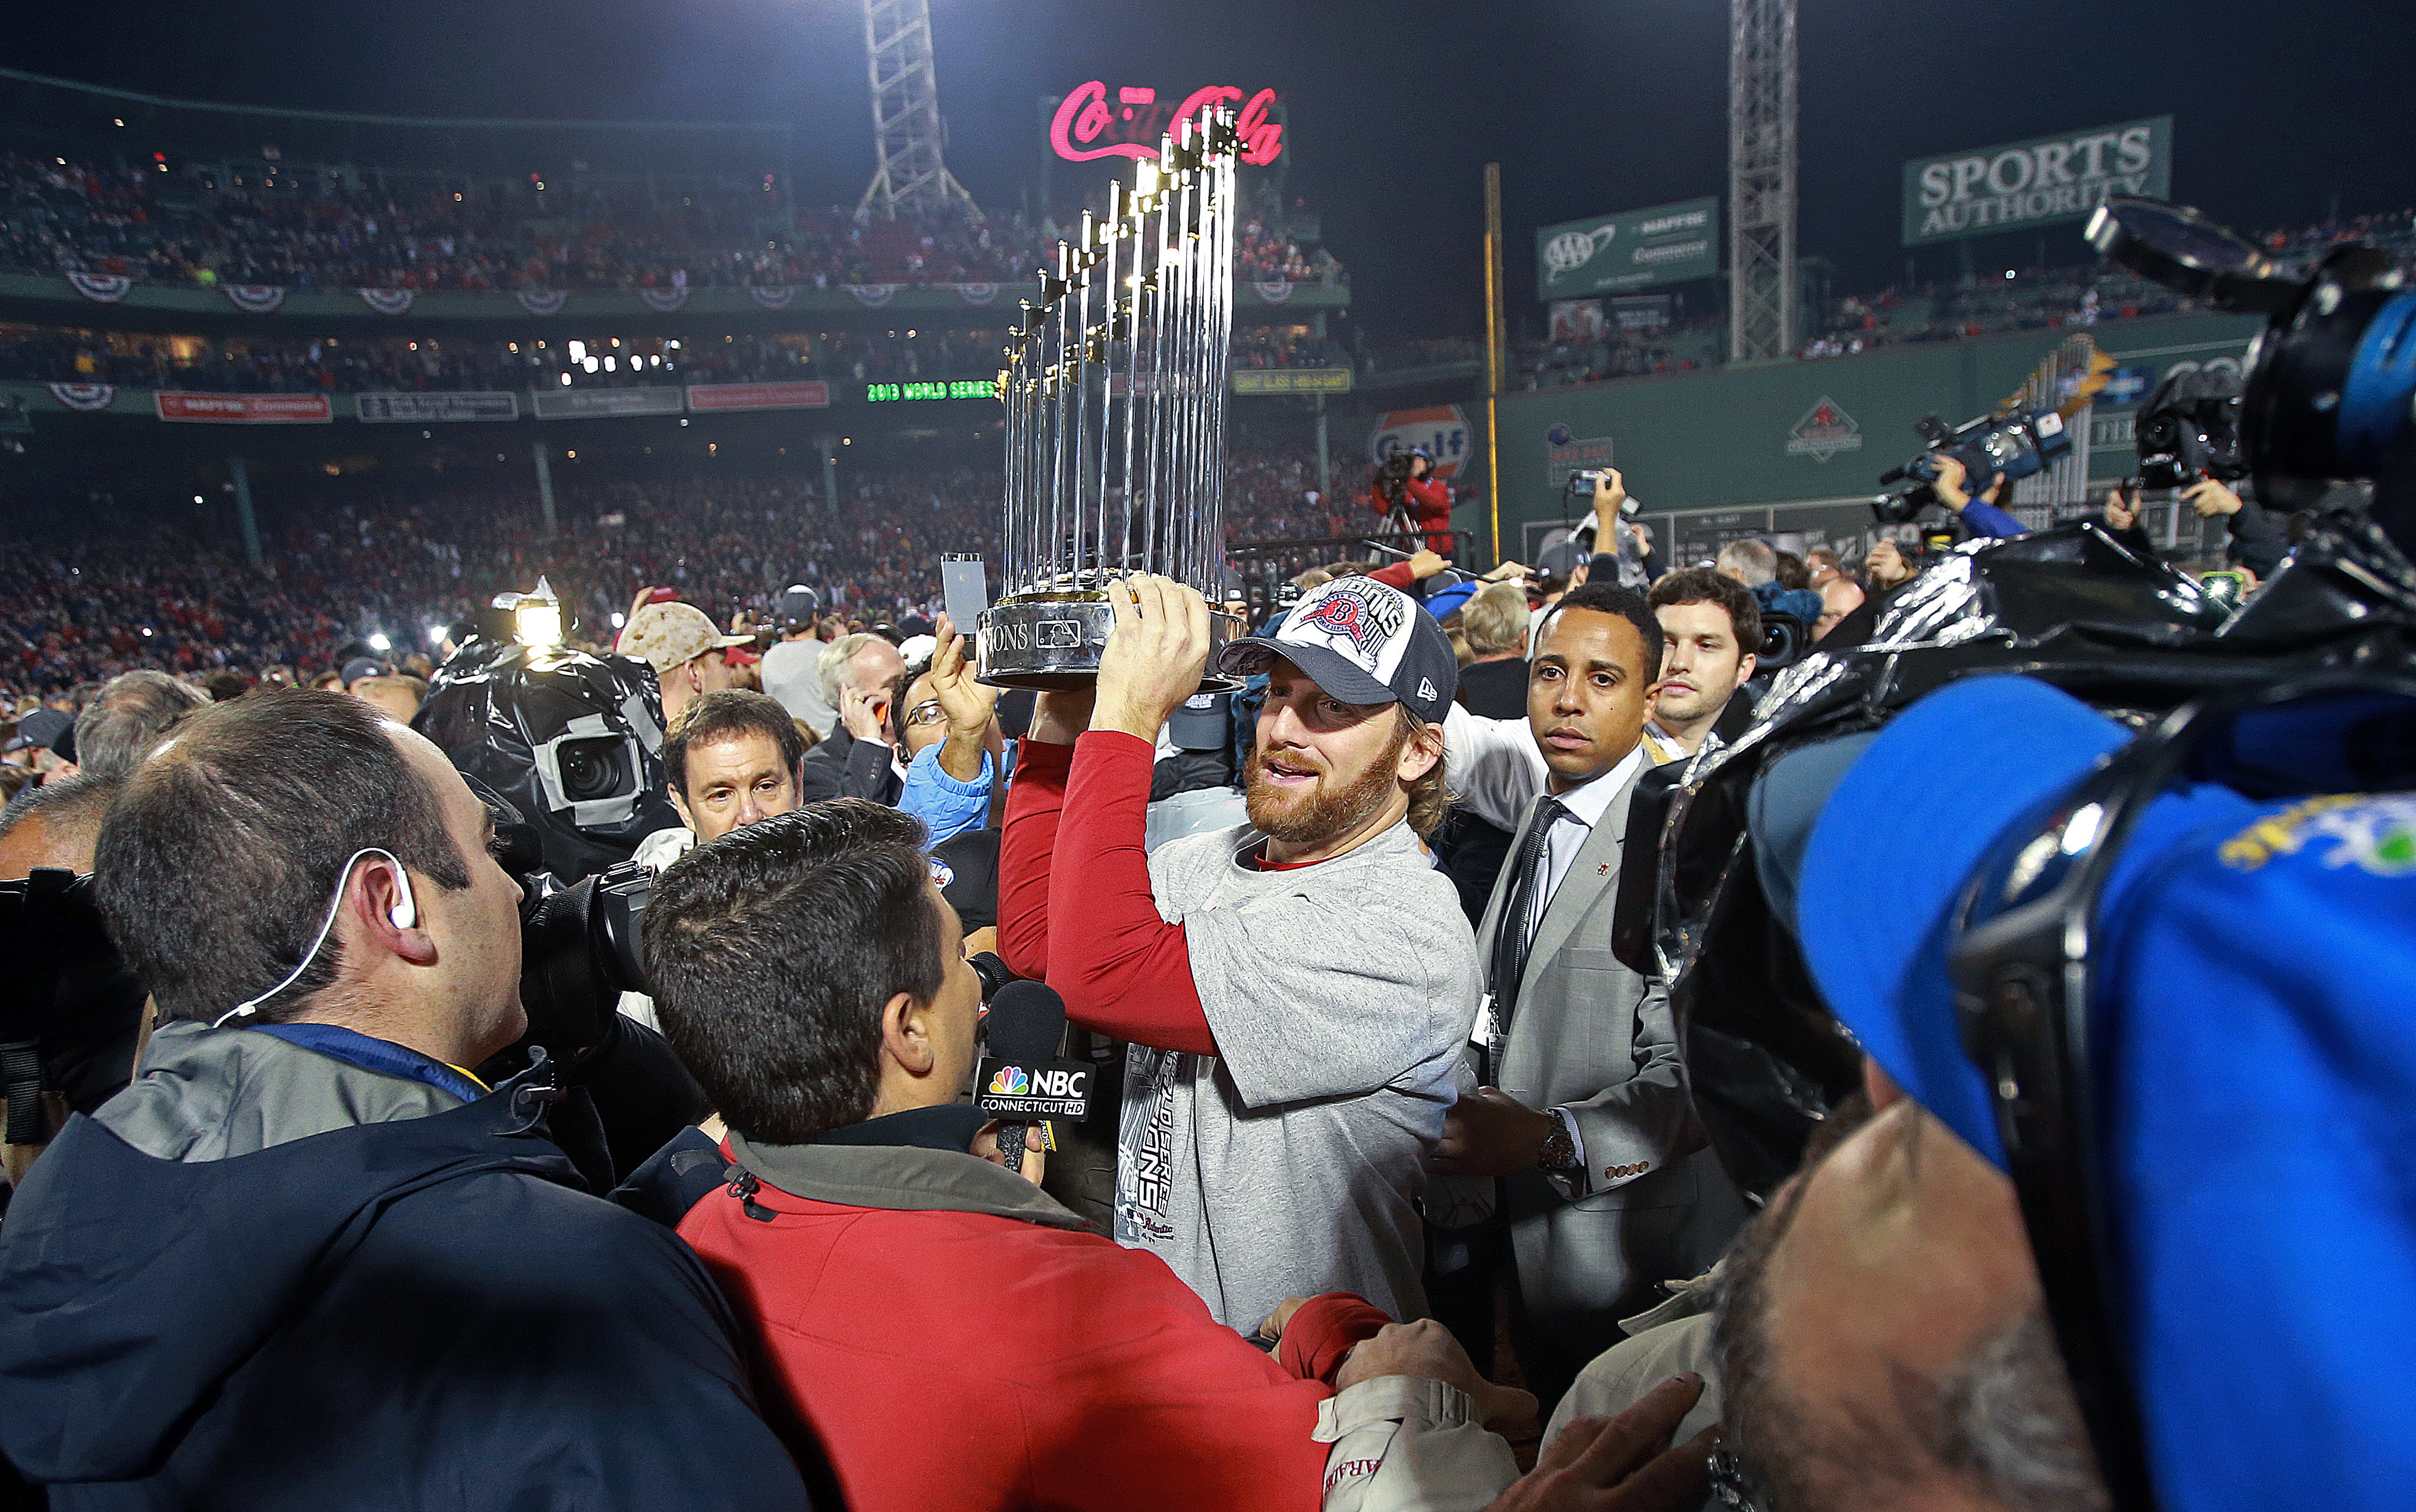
pixel 1421 752
pixel 906 1035
pixel 679 801
pixel 1745 664
pixel 375 891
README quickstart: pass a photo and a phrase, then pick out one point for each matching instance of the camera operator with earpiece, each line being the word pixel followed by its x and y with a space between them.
pixel 307 1258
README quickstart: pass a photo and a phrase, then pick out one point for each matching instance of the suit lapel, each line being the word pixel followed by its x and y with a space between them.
pixel 1585 882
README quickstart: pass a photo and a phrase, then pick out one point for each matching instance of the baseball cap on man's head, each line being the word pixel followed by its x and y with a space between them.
pixel 1362 642
pixel 797 607
pixel 42 728
pixel 361 666
pixel 668 637
pixel 2252 961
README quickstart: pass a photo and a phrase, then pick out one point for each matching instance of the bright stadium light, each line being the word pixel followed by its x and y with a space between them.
pixel 379 642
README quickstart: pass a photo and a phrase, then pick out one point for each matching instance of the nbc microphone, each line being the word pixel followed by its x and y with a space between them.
pixel 1022 1080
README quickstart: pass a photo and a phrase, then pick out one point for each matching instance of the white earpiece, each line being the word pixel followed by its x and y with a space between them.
pixel 405 913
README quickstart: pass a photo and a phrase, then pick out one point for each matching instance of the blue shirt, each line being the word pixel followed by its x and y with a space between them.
pixel 947 806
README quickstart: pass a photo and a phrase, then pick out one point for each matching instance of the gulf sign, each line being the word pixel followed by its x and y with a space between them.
pixel 1090 123
pixel 1441 429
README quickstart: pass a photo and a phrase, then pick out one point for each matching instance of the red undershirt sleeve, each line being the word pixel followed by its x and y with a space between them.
pixel 1034 799
pixel 1123 970
pixel 1321 1333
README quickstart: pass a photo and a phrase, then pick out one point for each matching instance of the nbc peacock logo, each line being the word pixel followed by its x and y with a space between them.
pixel 1009 1081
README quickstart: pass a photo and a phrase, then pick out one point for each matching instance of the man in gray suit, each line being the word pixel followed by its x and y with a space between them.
pixel 1607 1187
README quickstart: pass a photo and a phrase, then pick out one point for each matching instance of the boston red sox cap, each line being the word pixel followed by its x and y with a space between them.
pixel 1362 642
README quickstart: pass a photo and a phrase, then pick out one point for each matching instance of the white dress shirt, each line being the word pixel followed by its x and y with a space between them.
pixel 1582 808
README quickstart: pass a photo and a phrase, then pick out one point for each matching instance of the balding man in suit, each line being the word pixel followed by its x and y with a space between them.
pixel 1607 1187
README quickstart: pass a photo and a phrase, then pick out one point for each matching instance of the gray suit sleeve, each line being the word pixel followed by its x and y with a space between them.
pixel 1642 1123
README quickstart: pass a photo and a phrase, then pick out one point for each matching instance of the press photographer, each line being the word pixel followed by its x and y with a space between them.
pixel 310 895
pixel 1410 498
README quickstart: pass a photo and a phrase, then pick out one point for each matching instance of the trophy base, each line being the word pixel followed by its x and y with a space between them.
pixel 1053 645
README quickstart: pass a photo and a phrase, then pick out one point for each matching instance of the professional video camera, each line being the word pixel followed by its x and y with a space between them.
pixel 2009 443
pixel 2327 395
pixel 2189 431
pixel 1393 477
pixel 573 740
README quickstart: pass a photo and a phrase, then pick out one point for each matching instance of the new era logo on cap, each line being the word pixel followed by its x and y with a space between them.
pixel 1427 689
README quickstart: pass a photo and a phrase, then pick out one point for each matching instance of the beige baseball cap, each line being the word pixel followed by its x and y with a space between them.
pixel 670 635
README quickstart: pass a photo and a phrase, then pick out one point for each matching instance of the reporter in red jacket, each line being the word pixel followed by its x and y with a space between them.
pixel 947 1334
pixel 1430 500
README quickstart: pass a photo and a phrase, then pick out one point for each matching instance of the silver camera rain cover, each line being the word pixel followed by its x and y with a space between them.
pixel 575 742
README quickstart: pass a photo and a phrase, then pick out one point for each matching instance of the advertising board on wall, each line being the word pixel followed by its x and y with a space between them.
pixel 245 409
pixel 2016 186
pixel 588 403
pixel 421 409
pixel 1664 243
pixel 708 398
pixel 1441 429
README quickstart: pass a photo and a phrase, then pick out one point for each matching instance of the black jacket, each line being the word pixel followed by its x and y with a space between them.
pixel 425 1312
pixel 1497 690
pixel 845 767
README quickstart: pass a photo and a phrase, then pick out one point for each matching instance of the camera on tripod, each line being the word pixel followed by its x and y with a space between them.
pixel 2010 444
pixel 1393 477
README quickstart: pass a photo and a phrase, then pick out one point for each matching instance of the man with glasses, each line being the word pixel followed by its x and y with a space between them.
pixel 2129 1226
pixel 942 727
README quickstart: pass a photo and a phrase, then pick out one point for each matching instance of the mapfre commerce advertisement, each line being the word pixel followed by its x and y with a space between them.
pixel 1665 243
pixel 2018 185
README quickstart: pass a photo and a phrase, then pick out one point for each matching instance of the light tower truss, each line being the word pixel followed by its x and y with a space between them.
pixel 909 172
pixel 1761 179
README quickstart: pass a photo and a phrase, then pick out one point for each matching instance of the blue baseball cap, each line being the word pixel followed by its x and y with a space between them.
pixel 2255 963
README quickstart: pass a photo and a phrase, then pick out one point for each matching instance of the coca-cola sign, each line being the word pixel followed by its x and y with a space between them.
pixel 1089 124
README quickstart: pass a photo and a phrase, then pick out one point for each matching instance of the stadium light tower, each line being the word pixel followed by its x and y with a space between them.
pixel 1761 179
pixel 908 172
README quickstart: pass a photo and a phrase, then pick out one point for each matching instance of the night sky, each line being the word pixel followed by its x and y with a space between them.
pixel 1589 107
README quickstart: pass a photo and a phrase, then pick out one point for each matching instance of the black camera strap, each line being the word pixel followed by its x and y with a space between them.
pixel 20 1083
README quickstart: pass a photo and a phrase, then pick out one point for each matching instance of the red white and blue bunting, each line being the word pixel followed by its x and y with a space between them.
pixel 389 300
pixel 664 300
pixel 977 293
pixel 88 397
pixel 100 288
pixel 1275 292
pixel 773 298
pixel 871 295
pixel 541 300
pixel 256 298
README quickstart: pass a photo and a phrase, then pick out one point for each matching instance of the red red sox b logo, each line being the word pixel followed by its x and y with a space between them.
pixel 1363 620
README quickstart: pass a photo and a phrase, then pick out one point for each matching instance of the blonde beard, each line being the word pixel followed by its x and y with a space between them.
pixel 1321 815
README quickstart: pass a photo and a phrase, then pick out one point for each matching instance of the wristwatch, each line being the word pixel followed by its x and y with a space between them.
pixel 1560 1151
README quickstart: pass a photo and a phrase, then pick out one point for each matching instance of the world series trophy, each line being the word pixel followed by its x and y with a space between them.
pixel 1115 389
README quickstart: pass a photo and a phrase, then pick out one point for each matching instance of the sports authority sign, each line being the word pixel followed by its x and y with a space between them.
pixel 1441 429
pixel 2018 185
pixel 1665 243
pixel 1824 432
pixel 245 409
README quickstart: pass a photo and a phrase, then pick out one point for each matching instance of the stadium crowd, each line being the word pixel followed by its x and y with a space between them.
pixel 304 226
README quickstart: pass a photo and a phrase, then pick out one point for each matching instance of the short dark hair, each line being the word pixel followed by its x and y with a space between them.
pixel 133 712
pixel 1708 585
pixel 773 951
pixel 1626 603
pixel 898 685
pixel 724 714
pixel 73 803
pixel 218 860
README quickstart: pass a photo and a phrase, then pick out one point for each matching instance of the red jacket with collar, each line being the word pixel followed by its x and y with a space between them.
pixel 1429 500
pixel 982 1363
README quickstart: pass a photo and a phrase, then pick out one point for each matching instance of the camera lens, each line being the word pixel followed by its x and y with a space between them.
pixel 591 769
